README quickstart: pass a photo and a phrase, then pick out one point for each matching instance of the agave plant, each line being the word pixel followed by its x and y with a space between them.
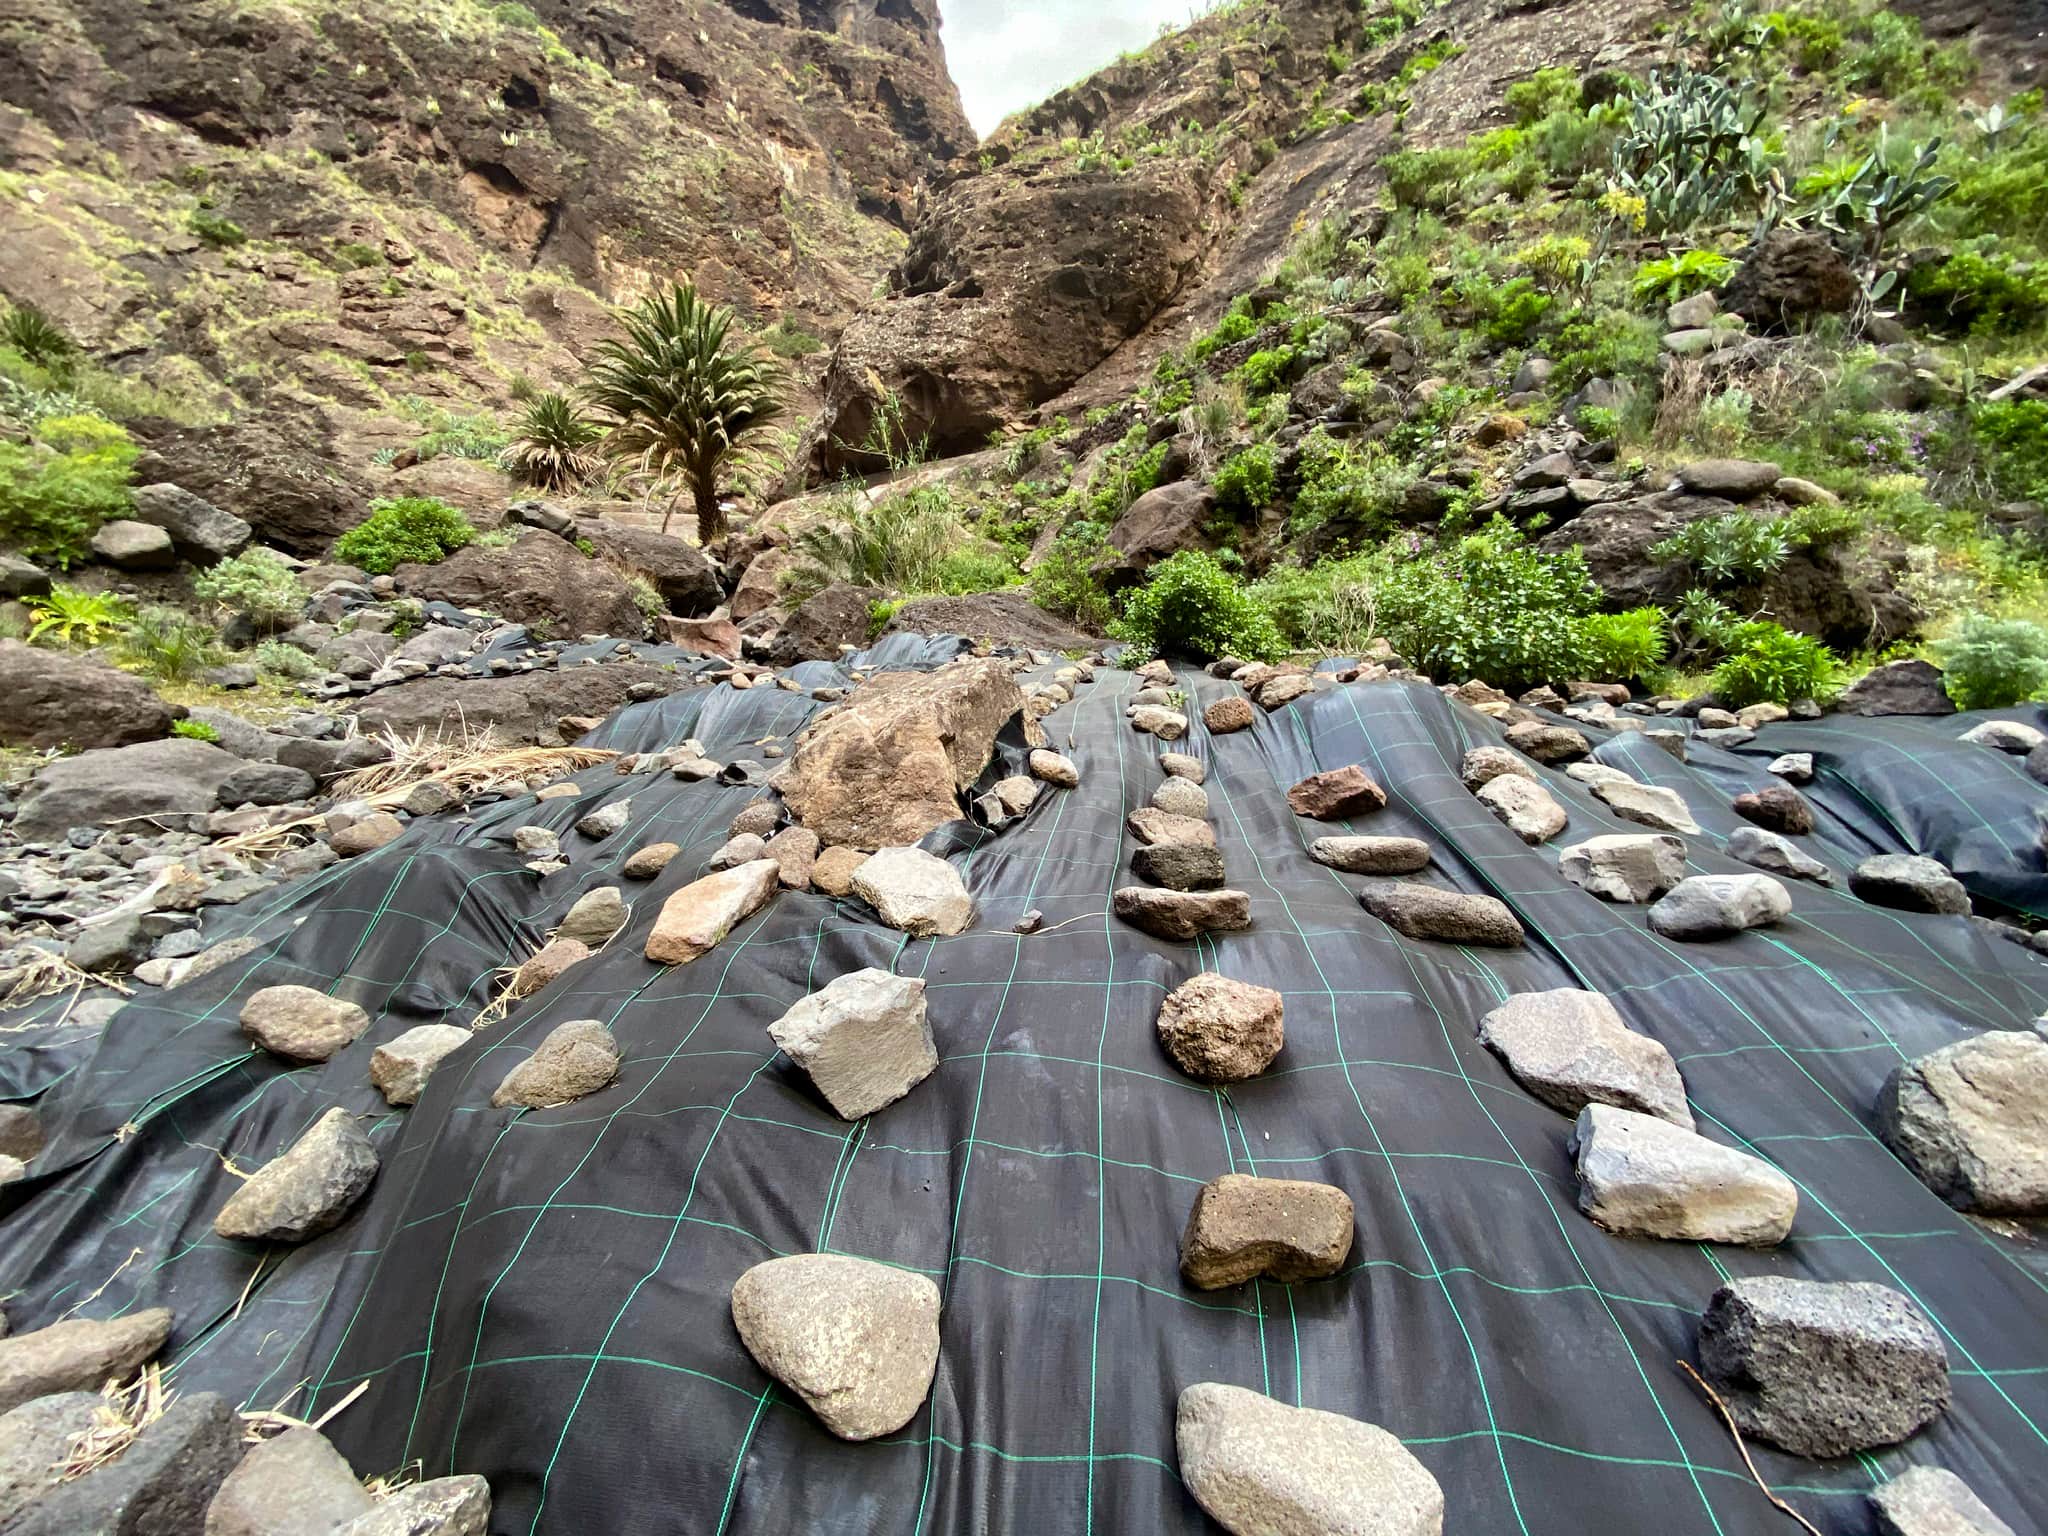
pixel 555 448
pixel 683 398
pixel 35 336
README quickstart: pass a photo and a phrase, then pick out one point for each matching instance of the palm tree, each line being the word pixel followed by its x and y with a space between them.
pixel 555 449
pixel 684 397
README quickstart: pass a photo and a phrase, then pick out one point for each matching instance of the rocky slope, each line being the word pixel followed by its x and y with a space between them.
pixel 304 233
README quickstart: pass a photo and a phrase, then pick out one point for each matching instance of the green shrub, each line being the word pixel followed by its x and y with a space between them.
pixel 222 234
pixel 56 490
pixel 1606 344
pixel 1671 278
pixel 1236 325
pixel 1728 549
pixel 256 583
pixel 449 436
pixel 1190 606
pixel 1359 487
pixel 169 643
pixel 1767 663
pixel 1625 647
pixel 2014 436
pixel 1427 178
pixel 36 337
pixel 70 615
pixel 1245 482
pixel 1546 91
pixel 1993 663
pixel 279 659
pixel 194 730
pixel 1264 372
pixel 900 543
pixel 1064 580
pixel 1507 313
pixel 1489 606
pixel 974 569
pixel 1330 606
pixel 785 338
pixel 1981 290
pixel 406 528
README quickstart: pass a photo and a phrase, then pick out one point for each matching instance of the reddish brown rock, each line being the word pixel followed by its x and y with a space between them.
pixel 698 916
pixel 1242 1228
pixel 1220 1030
pixel 1227 715
pixel 1336 793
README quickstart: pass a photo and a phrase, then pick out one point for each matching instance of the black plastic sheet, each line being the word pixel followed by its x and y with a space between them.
pixel 541 1296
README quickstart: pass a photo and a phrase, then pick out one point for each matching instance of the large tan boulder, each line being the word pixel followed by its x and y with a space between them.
pixel 888 765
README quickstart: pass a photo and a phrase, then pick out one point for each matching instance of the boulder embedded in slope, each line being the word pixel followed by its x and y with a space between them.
pixel 1244 1228
pixel 888 764
pixel 864 1040
pixel 1262 1468
pixel 56 700
pixel 1218 1029
pixel 1624 866
pixel 538 579
pixel 306 1190
pixel 1571 1048
pixel 1971 1121
pixel 856 1341
pixel 1823 1368
pixel 154 779
pixel 1640 1176
pixel 1911 687
pixel 200 531
pixel 915 891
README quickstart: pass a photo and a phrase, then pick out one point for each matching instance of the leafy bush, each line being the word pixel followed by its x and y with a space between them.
pixel 405 528
pixel 1728 549
pixel 450 436
pixel 1982 290
pixel 1358 487
pixel 974 569
pixel 256 583
pixel 222 234
pixel 1692 149
pixel 1671 278
pixel 900 543
pixel 169 643
pixel 1507 313
pixel 2014 436
pixel 195 730
pixel 1330 606
pixel 56 490
pixel 36 337
pixel 785 338
pixel 1546 91
pixel 1606 344
pixel 1236 325
pixel 287 661
pixel 1489 606
pixel 1625 647
pixel 1064 580
pixel 1993 663
pixel 1264 372
pixel 1768 663
pixel 72 616
pixel 1191 606
pixel 555 448
pixel 1245 482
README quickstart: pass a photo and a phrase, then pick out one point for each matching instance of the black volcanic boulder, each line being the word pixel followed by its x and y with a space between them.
pixel 539 581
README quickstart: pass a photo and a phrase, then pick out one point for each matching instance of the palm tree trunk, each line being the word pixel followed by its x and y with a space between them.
pixel 710 515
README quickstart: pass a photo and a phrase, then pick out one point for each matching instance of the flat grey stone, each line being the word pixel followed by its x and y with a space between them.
pixel 1717 906
pixel 857 1341
pixel 1624 866
pixel 863 1039
pixel 1430 912
pixel 575 1060
pixel 1371 855
pixel 1909 883
pixel 301 1023
pixel 1971 1121
pixel 1641 1177
pixel 307 1189
pixel 35 1439
pixel 1823 1368
pixel 595 917
pixel 1262 1468
pixel 442 1506
pixel 400 1067
pixel 1570 1048
pixel 79 1355
pixel 1932 1501
pixel 1777 854
pixel 160 1486
pixel 1651 805
pixel 1184 765
pixel 1167 914
pixel 2004 736
pixel 293 1484
pixel 1528 809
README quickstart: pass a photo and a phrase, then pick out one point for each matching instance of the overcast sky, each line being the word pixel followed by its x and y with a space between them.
pixel 1007 54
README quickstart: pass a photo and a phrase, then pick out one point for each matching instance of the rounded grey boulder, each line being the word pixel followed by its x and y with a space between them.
pixel 856 1340
pixel 1971 1121
pixel 1823 1368
pixel 308 1189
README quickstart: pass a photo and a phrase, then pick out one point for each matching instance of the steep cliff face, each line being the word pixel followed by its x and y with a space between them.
pixel 305 218
pixel 1094 228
